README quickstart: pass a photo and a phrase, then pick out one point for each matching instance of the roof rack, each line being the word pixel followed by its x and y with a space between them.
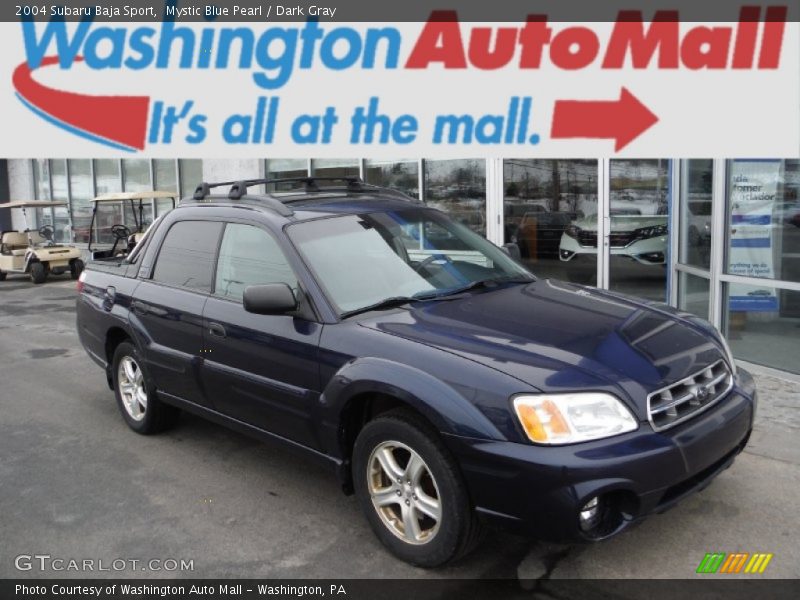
pixel 279 204
pixel 239 188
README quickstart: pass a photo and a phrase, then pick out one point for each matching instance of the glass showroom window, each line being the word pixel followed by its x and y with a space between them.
pixel 191 175
pixel 695 208
pixel 41 191
pixel 335 167
pixel 107 180
pixel 165 178
pixel 60 191
pixel 550 212
pixel 401 174
pixel 638 232
pixel 762 242
pixel 80 190
pixel 136 178
pixel 283 168
pixel 458 187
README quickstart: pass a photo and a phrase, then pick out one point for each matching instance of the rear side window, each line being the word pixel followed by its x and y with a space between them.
pixel 249 256
pixel 186 258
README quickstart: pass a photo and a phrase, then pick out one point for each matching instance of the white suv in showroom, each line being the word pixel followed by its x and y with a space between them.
pixel 642 238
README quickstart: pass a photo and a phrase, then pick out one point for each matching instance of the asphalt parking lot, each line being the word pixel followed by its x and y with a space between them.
pixel 75 482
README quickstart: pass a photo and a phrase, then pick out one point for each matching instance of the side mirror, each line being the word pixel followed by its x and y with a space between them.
pixel 512 250
pixel 269 299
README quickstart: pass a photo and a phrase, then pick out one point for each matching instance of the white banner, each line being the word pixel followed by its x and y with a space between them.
pixel 384 89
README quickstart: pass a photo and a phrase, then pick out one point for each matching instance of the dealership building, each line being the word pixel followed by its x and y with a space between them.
pixel 717 238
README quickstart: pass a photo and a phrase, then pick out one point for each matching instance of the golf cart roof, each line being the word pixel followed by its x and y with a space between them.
pixel 33 203
pixel 143 195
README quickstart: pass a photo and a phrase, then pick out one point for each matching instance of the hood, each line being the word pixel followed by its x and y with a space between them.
pixel 559 337
pixel 622 223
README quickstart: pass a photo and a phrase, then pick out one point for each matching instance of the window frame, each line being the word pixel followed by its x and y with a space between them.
pixel 274 238
pixel 150 276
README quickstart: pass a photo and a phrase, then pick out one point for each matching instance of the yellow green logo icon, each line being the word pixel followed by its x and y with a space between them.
pixel 734 562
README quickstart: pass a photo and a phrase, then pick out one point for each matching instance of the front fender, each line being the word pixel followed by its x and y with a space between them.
pixel 447 409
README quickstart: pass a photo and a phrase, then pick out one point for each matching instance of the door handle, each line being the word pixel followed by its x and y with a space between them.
pixel 139 308
pixel 216 330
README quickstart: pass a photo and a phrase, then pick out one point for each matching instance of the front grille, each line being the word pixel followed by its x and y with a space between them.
pixel 588 238
pixel 688 397
pixel 615 239
pixel 621 239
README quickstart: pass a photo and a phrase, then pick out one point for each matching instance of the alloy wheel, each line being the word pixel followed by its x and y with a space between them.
pixel 404 492
pixel 132 388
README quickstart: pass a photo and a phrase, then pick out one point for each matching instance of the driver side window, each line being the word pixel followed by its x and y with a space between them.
pixel 249 256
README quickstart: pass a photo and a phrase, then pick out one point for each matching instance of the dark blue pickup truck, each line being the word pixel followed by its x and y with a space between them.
pixel 445 384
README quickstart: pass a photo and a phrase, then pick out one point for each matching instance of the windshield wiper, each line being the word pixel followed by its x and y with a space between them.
pixel 395 301
pixel 385 303
pixel 484 283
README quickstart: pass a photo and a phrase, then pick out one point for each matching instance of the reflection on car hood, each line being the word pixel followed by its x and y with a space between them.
pixel 621 223
pixel 556 336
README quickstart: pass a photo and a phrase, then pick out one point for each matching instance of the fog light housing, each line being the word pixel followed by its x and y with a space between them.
pixel 566 254
pixel 589 516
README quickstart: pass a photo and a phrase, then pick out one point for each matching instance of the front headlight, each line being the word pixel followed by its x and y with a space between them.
pixel 572 231
pixel 569 418
pixel 644 233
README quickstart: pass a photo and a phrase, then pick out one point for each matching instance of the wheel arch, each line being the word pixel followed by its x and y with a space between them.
pixel 366 388
pixel 114 337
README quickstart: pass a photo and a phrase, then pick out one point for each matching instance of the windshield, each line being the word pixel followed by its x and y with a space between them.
pixel 362 260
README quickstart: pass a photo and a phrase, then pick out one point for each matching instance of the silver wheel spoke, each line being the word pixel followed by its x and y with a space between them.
pixel 410 522
pixel 414 469
pixel 128 366
pixel 389 464
pixel 428 506
pixel 141 397
pixel 386 496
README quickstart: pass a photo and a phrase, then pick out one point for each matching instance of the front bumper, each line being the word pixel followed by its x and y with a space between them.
pixel 650 251
pixel 540 490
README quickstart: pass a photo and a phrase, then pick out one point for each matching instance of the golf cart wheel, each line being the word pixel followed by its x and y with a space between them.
pixel 76 268
pixel 136 395
pixel 411 491
pixel 38 272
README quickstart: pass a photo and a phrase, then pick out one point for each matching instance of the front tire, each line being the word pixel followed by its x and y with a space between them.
pixel 76 268
pixel 2 276
pixel 38 272
pixel 136 396
pixel 411 491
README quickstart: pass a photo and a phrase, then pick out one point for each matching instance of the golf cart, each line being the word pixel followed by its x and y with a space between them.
pixel 124 240
pixel 35 252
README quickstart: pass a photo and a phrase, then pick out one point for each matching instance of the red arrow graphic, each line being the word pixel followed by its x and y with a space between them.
pixel 121 119
pixel 623 120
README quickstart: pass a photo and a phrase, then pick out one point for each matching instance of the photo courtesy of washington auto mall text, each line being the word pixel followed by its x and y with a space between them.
pixel 399 300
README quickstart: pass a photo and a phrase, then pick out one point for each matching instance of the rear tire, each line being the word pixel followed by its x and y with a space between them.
pixel 76 268
pixel 136 397
pixel 38 272
pixel 401 439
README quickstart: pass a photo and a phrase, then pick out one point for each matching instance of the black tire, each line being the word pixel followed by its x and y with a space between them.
pixel 76 268
pixel 2 276
pixel 459 530
pixel 38 272
pixel 157 416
